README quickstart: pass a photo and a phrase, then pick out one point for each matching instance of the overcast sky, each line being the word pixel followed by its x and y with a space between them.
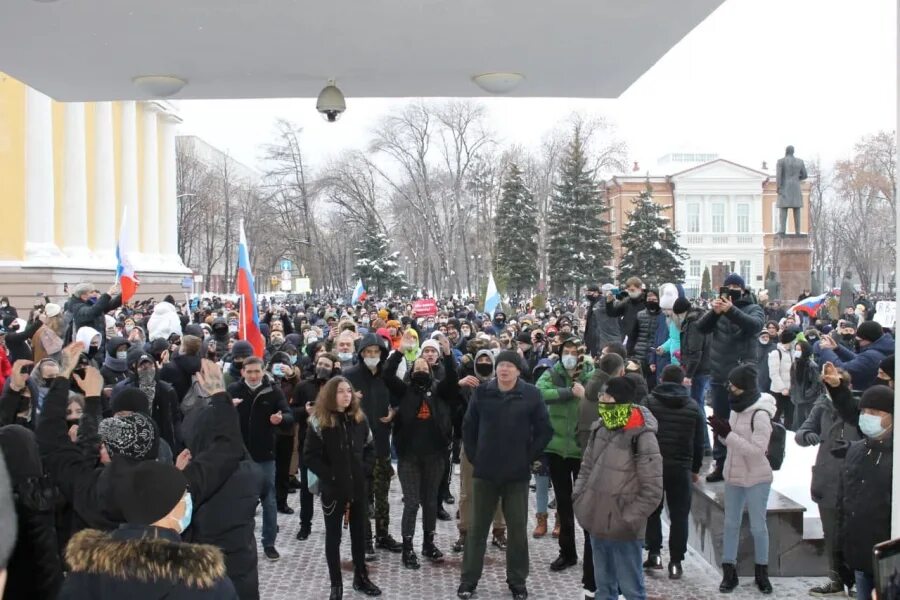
pixel 755 76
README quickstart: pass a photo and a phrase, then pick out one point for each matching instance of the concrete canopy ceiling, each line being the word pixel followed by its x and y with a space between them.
pixel 92 49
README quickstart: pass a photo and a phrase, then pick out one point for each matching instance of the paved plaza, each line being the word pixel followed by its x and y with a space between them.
pixel 301 572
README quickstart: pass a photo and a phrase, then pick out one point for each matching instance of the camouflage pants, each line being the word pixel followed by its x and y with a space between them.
pixel 381 485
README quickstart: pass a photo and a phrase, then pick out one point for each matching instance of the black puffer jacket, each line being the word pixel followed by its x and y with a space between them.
pixel 680 433
pixel 35 567
pixel 734 336
pixel 626 310
pixel 341 457
pixel 376 398
pixel 643 334
pixel 694 346
pixel 179 373
pixel 90 315
pixel 864 500
pixel 254 410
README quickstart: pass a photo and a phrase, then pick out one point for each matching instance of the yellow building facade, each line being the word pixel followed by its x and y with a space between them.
pixel 68 173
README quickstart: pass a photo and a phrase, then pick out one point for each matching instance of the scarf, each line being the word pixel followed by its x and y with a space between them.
pixel 743 402
pixel 147 384
pixel 614 416
pixel 114 364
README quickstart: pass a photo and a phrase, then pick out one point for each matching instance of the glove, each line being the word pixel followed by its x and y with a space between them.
pixel 811 438
pixel 719 426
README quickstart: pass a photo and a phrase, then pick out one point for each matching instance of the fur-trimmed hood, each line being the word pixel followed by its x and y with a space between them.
pixel 154 557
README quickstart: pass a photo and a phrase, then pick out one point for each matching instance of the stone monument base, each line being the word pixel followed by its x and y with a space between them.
pixel 790 257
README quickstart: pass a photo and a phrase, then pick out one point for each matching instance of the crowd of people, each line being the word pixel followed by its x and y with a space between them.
pixel 139 440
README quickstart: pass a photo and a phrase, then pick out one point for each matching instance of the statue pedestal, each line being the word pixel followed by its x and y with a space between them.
pixel 791 258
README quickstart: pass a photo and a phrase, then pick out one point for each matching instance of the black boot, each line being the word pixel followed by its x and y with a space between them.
pixel 762 579
pixel 361 583
pixel 729 578
pixel 460 543
pixel 410 560
pixel 387 542
pixel 716 475
pixel 337 592
pixel 430 551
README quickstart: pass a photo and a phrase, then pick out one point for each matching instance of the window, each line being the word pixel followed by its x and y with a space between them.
pixel 743 218
pixel 718 218
pixel 695 268
pixel 693 218
pixel 745 270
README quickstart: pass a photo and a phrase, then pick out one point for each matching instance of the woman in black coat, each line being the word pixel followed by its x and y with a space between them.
pixel 340 450
pixel 423 426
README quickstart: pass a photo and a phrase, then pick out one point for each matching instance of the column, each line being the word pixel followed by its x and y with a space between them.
pixel 168 200
pixel 39 191
pixel 104 214
pixel 74 213
pixel 150 188
pixel 895 484
pixel 129 178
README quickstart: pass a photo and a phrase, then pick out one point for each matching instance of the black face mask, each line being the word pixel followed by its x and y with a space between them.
pixel 652 306
pixel 323 373
pixel 70 422
pixel 92 351
pixel 237 364
pixel 484 369
pixel 421 379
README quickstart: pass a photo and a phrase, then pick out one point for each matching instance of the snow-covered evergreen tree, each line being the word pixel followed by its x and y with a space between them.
pixel 376 265
pixel 578 244
pixel 516 232
pixel 650 248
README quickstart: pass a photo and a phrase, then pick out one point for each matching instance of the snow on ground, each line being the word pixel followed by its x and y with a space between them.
pixel 794 477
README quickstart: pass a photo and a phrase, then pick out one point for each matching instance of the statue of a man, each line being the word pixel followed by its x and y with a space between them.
pixel 790 171
pixel 773 287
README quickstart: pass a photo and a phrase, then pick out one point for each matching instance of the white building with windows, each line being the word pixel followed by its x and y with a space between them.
pixel 719 218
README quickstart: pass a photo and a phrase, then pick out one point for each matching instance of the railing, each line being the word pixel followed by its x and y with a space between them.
pixel 721 239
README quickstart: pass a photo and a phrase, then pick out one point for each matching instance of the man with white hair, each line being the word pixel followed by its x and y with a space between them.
pixel 87 307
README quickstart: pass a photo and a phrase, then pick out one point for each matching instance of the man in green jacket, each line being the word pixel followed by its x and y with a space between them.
pixel 562 387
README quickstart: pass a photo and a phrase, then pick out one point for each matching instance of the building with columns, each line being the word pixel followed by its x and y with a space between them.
pixel 68 173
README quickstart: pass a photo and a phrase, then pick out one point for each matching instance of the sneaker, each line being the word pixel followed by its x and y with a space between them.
pixel 387 542
pixel 827 589
pixel 499 539
pixel 271 553
pixel 465 591
pixel 519 592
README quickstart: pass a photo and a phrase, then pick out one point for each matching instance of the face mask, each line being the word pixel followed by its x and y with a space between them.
pixel 484 369
pixel 70 422
pixel 232 329
pixel 312 340
pixel 421 379
pixel 569 361
pixel 146 377
pixel 870 425
pixel 277 341
pixel 278 370
pixel 185 521
pixel 323 373
pixel 346 356
pixel 121 355
pixel 238 364
pixel 371 362
pixel 764 341
pixel 92 351
pixel 466 332
pixel 253 386
pixel 634 295
pixel 293 359
pixel 3 304
pixel 652 306
pixel 797 353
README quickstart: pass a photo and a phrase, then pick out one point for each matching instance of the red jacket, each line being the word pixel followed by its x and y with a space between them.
pixel 5 366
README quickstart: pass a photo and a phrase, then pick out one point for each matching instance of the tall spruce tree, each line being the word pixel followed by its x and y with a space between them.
pixel 578 244
pixel 516 232
pixel 376 265
pixel 650 248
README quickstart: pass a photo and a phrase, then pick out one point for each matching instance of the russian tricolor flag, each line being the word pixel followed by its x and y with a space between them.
pixel 248 328
pixel 810 305
pixel 125 275
pixel 359 294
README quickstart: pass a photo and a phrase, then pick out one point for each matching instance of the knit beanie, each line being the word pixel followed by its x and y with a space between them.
pixel 430 344
pixel 130 399
pixel 787 336
pixel 621 389
pixel 887 365
pixel 870 331
pixel 744 377
pixel 681 306
pixel 734 279
pixel 133 435
pixel 149 492
pixel 510 357
pixel 241 350
pixel 878 397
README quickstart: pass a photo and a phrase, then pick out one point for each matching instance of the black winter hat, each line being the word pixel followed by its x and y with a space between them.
pixel 622 389
pixel 743 377
pixel 870 331
pixel 136 355
pixel 510 357
pixel 241 349
pixel 131 399
pixel 887 365
pixel 787 336
pixel 681 306
pixel 195 330
pixel 524 338
pixel 149 492
pixel 132 435
pixel 878 397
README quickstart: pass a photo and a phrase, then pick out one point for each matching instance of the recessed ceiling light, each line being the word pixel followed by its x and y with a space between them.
pixel 159 86
pixel 498 83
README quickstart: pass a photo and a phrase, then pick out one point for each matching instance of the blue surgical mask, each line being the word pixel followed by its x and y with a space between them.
pixel 569 361
pixel 185 521
pixel 870 425
pixel 293 358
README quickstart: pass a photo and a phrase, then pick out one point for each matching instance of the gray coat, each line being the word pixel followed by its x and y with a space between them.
pixel 620 481
pixel 601 328
pixel 790 171
pixel 833 431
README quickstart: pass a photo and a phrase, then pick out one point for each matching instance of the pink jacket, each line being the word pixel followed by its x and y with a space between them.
pixel 746 464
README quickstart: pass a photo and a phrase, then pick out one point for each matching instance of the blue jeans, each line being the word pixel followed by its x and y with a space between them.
pixel 865 583
pixel 617 569
pixel 721 409
pixel 269 508
pixel 755 499
pixel 699 385
pixel 541 493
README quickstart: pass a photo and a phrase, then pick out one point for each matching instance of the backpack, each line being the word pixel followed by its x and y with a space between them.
pixel 777 442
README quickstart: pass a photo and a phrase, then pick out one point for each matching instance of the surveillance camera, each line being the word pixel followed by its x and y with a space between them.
pixel 331 102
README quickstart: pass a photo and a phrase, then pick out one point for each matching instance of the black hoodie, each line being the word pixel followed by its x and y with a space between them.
pixel 376 397
pixel 680 433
